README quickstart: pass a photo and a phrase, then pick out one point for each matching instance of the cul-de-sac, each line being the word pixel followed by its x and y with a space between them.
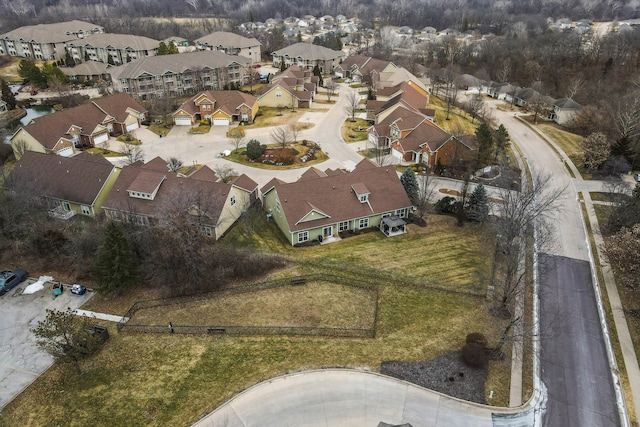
pixel 336 213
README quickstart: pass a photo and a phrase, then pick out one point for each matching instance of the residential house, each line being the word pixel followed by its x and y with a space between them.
pixel 499 90
pixel 179 74
pixel 112 48
pixel 71 185
pixel 413 138
pixel 307 56
pixel 87 71
pixel 149 194
pixel 232 44
pixel 64 132
pixel 293 88
pixel 398 75
pixel 363 69
pixel 219 107
pixel 405 96
pixel 565 110
pixel 45 41
pixel 321 205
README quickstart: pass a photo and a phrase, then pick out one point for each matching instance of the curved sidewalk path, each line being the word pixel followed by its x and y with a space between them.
pixel 341 397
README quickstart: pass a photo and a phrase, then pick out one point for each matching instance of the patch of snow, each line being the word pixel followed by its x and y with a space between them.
pixel 37 285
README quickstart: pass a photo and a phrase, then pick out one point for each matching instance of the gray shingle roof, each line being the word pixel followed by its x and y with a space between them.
pixel 226 39
pixel 309 51
pixel 119 41
pixel 51 33
pixel 177 63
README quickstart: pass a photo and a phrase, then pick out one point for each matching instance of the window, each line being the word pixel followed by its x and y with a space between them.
pixel 278 94
pixel 245 117
pixel 207 231
pixel 363 198
pixel 343 226
pixel 303 236
pixel 86 210
pixel 233 200
pixel 278 205
pixel 364 223
pixel 66 206
pixel 401 213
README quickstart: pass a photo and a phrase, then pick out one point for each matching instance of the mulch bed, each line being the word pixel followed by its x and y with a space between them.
pixel 446 374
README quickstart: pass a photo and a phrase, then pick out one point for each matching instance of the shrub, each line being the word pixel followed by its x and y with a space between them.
pixel 284 156
pixel 474 355
pixel 477 338
pixel 254 149
pixel 446 205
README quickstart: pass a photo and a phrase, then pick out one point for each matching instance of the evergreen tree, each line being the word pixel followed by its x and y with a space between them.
pixel 622 147
pixel 299 37
pixel 501 136
pixel 114 267
pixel 173 48
pixel 316 72
pixel 410 184
pixel 68 60
pixel 254 149
pixel 477 209
pixel 283 66
pixel 484 137
pixel 7 95
pixel 30 73
pixel 163 49
pixel 86 56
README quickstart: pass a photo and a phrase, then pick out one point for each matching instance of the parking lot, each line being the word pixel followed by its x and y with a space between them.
pixel 21 361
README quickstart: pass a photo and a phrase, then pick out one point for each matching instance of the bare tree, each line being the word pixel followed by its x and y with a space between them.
pixel 237 141
pixel 281 135
pixel 20 147
pixel 504 71
pixel 294 131
pixel 352 104
pixel 331 87
pixel 425 194
pixel 474 106
pixel 225 173
pixel 132 153
pixel 174 164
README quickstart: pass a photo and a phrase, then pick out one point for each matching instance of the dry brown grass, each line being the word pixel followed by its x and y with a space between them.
pixel 355 131
pixel 316 304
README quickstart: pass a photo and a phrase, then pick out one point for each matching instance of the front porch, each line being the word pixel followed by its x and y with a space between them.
pixel 59 213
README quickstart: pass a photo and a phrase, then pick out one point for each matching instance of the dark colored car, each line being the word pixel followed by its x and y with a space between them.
pixel 11 279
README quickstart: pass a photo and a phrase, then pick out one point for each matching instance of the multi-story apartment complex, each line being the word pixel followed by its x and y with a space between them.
pixel 232 44
pixel 45 41
pixel 121 48
pixel 179 74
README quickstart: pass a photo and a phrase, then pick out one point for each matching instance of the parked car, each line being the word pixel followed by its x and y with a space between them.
pixel 78 289
pixel 11 279
pixel 637 177
pixel 34 92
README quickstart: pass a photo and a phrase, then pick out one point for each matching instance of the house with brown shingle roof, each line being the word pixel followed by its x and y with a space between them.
pixel 150 194
pixel 218 107
pixel 403 96
pixel 291 88
pixel 413 138
pixel 71 185
pixel 67 131
pixel 322 205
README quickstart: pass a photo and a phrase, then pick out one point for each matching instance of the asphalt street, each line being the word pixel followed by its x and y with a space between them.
pixel 574 364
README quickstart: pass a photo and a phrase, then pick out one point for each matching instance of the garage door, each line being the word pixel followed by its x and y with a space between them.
pixel 100 138
pixel 65 152
pixel 396 153
pixel 183 121
pixel 132 126
pixel 221 122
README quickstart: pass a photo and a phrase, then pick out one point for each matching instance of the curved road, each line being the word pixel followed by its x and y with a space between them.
pixel 575 369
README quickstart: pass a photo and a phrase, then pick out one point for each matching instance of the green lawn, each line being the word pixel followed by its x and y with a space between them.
pixel 355 131
pixel 568 142
pixel 458 123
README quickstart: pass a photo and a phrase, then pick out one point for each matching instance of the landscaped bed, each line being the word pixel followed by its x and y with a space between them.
pixel 276 157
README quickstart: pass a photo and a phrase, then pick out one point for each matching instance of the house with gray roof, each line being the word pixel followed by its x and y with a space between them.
pixel 179 74
pixel 231 43
pixel 112 48
pixel 45 41
pixel 307 56
pixel 89 70
pixel 564 111
pixel 327 205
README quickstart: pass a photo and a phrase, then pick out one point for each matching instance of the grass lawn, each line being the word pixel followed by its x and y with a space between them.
pixel 103 152
pixel 269 116
pixel 159 129
pixel 355 131
pixel 569 142
pixel 458 119
pixel 158 380
pixel 200 129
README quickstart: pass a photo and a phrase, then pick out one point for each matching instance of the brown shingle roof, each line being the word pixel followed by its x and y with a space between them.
pixel 226 100
pixel 333 196
pixel 244 182
pixel 77 179
pixel 116 106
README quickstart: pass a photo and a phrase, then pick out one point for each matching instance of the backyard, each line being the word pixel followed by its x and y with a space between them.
pixel 162 379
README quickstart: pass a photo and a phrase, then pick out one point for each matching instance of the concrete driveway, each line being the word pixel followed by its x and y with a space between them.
pixel 21 361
